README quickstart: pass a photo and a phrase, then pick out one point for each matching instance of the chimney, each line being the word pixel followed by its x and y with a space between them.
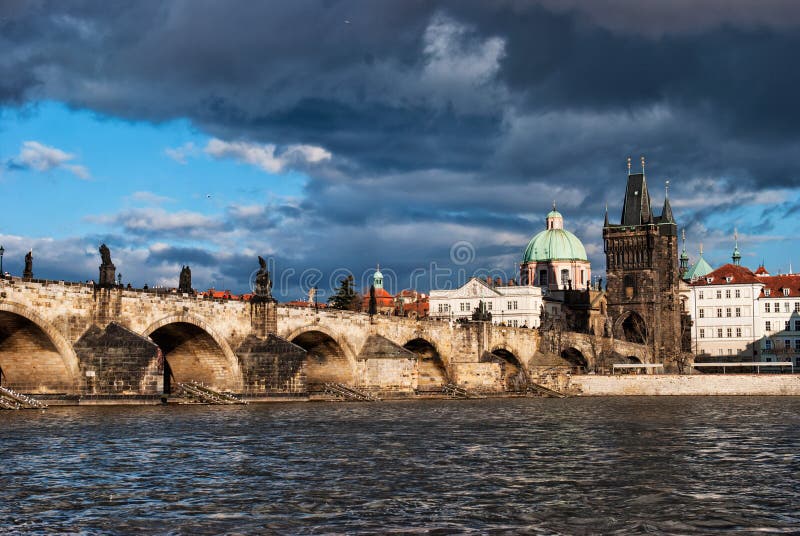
pixel 489 280
pixel 498 282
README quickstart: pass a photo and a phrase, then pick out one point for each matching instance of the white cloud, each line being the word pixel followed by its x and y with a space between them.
pixel 265 156
pixel 182 153
pixel 40 157
pixel 149 198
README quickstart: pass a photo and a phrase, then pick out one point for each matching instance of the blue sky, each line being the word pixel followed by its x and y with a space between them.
pixel 209 134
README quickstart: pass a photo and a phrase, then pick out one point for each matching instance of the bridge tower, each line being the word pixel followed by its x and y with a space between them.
pixel 642 271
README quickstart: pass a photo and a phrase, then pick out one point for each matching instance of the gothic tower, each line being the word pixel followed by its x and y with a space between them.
pixel 642 271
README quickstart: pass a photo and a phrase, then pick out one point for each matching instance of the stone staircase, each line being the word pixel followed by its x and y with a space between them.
pixel 10 399
pixel 454 391
pixel 345 392
pixel 541 390
pixel 203 395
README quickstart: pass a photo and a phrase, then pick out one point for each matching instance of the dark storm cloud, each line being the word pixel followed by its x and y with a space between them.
pixel 466 117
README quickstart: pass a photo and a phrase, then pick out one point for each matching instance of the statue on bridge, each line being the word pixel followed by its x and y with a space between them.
pixel 107 268
pixel 185 280
pixel 263 284
pixel 28 272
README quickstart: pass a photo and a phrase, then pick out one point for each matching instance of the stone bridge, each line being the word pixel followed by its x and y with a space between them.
pixel 79 339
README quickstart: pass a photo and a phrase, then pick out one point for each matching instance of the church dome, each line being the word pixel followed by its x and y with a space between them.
pixel 554 244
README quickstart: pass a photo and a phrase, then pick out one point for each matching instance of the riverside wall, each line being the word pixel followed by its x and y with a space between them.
pixel 687 385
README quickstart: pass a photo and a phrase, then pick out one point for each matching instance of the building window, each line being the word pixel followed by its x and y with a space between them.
pixel 564 278
pixel 719 312
pixel 797 307
pixel 730 332
pixel 727 293
pixel 766 307
pixel 738 293
pixel 768 345
pixel 719 333
pixel 730 351
pixel 786 292
pixel 721 351
pixel 489 306
pixel 738 312
pixel 787 344
pixel 797 325
pixel 629 283
pixel 700 295
pixel 702 333
pixel 777 307
pixel 786 326
pixel 728 312
pixel 768 326
pixel 702 313
pixel 786 307
pixel 738 332
pixel 766 292
pixel 797 345
pixel 719 294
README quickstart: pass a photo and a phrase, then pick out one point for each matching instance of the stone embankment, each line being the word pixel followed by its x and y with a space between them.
pixel 687 385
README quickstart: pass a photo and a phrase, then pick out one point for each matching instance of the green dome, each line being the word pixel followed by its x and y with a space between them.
pixel 699 269
pixel 554 244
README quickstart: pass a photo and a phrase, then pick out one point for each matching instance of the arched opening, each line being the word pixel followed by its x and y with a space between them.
pixel 191 354
pixel 326 361
pixel 633 360
pixel 632 328
pixel 629 282
pixel 29 359
pixel 575 358
pixel 432 372
pixel 514 375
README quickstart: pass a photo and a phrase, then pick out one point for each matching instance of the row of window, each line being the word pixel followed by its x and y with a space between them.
pixel 737 293
pixel 466 307
pixel 767 292
pixel 769 308
pixel 787 344
pixel 787 326
pixel 723 332
pixel 729 312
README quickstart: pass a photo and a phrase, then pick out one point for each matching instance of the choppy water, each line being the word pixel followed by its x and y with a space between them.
pixel 576 466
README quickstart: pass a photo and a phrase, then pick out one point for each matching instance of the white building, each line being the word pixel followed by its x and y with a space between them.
pixel 752 315
pixel 517 306
pixel 723 307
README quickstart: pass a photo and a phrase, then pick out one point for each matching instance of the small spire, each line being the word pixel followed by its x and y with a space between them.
pixel 605 222
pixel 737 256
pixel 666 189
pixel 554 204
pixel 701 249
pixel 642 164
pixel 629 165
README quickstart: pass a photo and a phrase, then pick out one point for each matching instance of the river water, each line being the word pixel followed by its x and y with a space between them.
pixel 668 465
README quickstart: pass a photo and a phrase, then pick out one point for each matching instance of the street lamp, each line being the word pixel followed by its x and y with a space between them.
pixel 2 250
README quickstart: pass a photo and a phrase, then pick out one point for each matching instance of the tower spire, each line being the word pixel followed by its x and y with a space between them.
pixel 605 221
pixel 684 262
pixel 737 256
pixel 629 165
pixel 642 164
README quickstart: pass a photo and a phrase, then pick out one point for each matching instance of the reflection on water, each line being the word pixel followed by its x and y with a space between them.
pixel 672 465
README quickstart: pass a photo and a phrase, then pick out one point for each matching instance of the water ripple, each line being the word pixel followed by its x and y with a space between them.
pixel 672 465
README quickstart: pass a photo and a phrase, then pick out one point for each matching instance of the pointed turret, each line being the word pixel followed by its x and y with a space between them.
pixel 666 212
pixel 636 208
pixel 605 221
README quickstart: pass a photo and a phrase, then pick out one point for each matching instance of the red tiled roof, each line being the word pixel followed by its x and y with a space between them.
pixel 776 284
pixel 738 275
pixel 762 271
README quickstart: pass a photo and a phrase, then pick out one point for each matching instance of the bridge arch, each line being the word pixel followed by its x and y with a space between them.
pixel 432 370
pixel 514 373
pixel 329 358
pixel 34 356
pixel 631 327
pixel 575 357
pixel 193 351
